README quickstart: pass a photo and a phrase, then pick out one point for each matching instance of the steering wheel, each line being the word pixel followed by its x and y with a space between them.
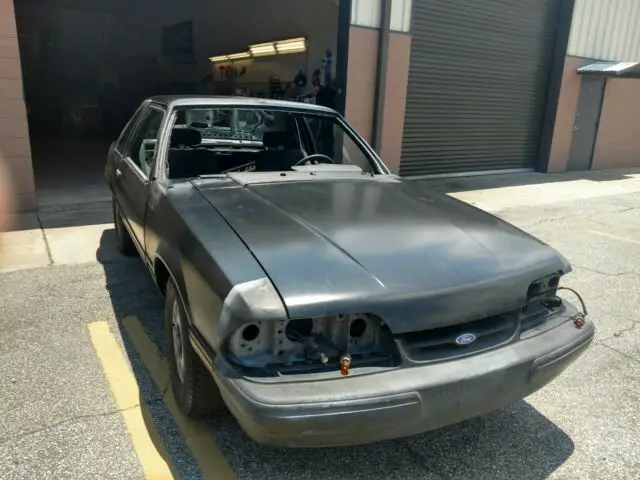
pixel 313 159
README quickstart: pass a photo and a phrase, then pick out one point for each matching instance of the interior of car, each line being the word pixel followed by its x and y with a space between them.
pixel 277 144
pixel 188 157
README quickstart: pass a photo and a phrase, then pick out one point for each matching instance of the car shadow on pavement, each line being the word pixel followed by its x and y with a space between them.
pixel 515 442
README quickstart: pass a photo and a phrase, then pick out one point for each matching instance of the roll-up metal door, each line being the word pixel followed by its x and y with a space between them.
pixel 477 84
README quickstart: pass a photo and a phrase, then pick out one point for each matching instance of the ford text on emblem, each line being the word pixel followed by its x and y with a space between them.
pixel 465 339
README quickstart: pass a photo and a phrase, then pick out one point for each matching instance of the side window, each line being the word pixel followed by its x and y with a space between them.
pixel 143 144
pixel 121 144
pixel 332 140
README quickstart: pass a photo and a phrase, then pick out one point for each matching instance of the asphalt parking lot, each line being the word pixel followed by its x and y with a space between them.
pixel 83 385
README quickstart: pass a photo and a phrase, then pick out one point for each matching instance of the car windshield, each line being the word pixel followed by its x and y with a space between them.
pixel 217 141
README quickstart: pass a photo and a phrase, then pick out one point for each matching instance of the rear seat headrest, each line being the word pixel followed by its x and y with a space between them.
pixel 275 139
pixel 187 137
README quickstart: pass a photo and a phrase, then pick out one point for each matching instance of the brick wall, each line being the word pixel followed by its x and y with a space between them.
pixel 14 131
pixel 395 99
pixel 618 142
pixel 361 86
pixel 361 79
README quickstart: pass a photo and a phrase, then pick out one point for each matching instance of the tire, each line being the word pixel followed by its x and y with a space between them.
pixel 123 239
pixel 193 387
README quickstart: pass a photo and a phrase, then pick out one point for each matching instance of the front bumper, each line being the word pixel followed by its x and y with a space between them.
pixel 401 402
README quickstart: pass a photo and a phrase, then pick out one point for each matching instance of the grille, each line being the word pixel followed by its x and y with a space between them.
pixel 533 315
pixel 440 343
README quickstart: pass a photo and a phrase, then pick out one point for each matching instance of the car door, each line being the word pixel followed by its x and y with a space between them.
pixel 134 171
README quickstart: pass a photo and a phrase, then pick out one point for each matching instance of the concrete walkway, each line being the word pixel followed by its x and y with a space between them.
pixel 68 227
pixel 495 193
pixel 63 233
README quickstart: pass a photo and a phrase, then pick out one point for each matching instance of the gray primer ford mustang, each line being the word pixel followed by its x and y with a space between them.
pixel 322 299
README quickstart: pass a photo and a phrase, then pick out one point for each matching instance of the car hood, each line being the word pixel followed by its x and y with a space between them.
pixel 384 246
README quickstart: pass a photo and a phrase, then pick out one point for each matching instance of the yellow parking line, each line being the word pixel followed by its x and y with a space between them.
pixel 614 237
pixel 197 435
pixel 144 436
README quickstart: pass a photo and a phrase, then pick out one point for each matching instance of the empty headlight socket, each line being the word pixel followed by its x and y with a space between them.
pixel 550 286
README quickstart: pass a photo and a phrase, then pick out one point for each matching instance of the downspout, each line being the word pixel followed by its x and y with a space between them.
pixel 342 60
pixel 554 82
pixel 381 77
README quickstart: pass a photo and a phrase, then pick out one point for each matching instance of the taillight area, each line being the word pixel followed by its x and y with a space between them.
pixel 308 344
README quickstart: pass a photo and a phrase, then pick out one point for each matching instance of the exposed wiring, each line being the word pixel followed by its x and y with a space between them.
pixel 584 307
pixel 314 344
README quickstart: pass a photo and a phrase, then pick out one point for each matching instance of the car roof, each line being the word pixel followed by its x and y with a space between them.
pixel 172 101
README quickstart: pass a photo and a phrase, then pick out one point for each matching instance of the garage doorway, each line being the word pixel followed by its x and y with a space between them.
pixel 478 80
pixel 87 64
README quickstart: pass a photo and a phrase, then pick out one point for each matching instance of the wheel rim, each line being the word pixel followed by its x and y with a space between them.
pixel 178 351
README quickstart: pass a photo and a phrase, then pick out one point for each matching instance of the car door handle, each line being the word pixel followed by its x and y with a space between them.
pixel 118 172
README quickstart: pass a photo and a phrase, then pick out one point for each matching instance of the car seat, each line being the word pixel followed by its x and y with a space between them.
pixel 282 151
pixel 185 159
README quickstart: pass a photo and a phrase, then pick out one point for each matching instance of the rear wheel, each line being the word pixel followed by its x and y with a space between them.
pixel 123 239
pixel 193 386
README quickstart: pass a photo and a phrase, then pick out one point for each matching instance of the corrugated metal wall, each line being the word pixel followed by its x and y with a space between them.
pixel 606 30
pixel 366 13
pixel 477 84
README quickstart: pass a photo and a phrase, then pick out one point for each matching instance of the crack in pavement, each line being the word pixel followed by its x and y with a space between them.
pixel 619 333
pixel 45 240
pixel 76 418
pixel 165 390
pixel 625 355
pixel 609 274
pixel 548 220
pixel 625 209
pixel 590 218
pixel 585 216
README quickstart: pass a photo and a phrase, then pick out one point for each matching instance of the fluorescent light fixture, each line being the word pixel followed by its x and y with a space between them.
pixel 229 58
pixel 262 49
pixel 293 45
pixel 219 58
pixel 239 56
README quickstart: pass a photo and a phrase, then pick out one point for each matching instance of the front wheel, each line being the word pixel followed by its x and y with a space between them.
pixel 193 386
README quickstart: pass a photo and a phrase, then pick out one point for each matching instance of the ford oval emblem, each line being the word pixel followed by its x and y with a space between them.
pixel 465 339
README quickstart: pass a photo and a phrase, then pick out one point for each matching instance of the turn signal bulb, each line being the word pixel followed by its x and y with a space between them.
pixel 578 321
pixel 345 364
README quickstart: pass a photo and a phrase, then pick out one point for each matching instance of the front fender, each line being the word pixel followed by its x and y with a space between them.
pixel 166 259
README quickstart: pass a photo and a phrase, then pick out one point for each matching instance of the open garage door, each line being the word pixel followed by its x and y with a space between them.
pixel 87 64
pixel 477 85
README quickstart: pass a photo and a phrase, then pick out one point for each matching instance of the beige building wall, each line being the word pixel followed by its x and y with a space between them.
pixel 618 141
pixel 361 86
pixel 14 130
pixel 601 31
pixel 565 115
pixel 361 79
pixel 362 72
pixel 606 30
pixel 395 99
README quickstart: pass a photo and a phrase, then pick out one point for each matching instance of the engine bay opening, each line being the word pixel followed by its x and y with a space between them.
pixel 308 344
pixel 297 330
